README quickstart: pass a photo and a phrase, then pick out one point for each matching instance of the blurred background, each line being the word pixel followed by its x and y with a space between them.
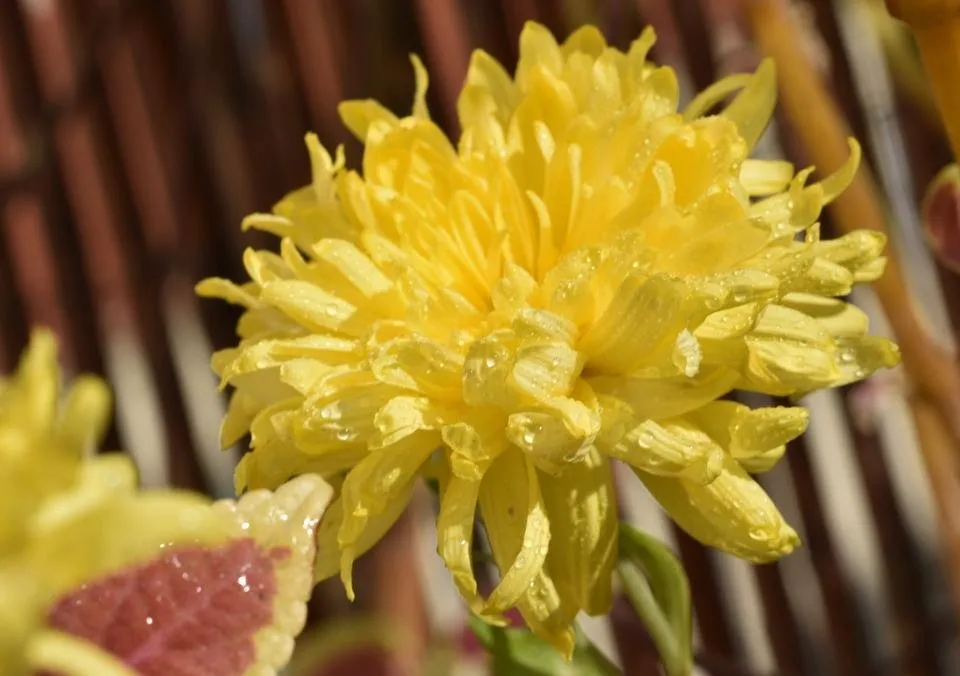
pixel 135 135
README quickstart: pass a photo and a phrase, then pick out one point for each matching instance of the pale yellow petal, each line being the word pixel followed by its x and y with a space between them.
pixel 276 461
pixel 216 287
pixel 360 116
pixel 641 323
pixel 549 614
pixel 342 412
pixel 665 397
pixel 756 438
pixel 538 48
pixel 85 414
pixel 669 448
pixel 838 318
pixel 582 509
pixel 422 79
pixel 516 523
pixel 380 480
pixel 714 95
pixel 421 366
pixel 455 524
pixel 753 107
pixel 732 513
pixel 474 441
pixel 312 307
pixel 765 177
pixel 558 430
pixel 328 550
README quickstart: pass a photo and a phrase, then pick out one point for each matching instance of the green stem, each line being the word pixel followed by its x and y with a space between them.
pixel 641 597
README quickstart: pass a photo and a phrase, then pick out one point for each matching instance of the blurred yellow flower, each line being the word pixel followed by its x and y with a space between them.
pixel 578 280
pixel 73 520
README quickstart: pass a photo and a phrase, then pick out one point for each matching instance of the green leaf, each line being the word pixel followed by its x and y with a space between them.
pixel 518 652
pixel 657 588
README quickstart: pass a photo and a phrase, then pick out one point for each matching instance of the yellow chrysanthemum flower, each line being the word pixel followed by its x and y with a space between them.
pixel 578 280
pixel 72 520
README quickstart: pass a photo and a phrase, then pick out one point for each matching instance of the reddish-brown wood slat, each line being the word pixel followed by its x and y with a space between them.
pixel 159 127
pixel 126 295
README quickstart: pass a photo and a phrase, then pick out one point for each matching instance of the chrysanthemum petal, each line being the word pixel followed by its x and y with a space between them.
pixel 643 318
pixel 732 513
pixel 516 523
pixel 360 116
pixel 581 506
pixel 668 448
pixel 422 79
pixel 312 307
pixel 838 318
pixel 474 442
pixel 765 177
pixel 712 96
pixel 665 397
pixel 756 438
pixel 342 412
pixel 548 614
pixel 275 462
pixel 216 287
pixel 455 540
pixel 558 430
pixel 422 366
pixel 861 356
pixel 753 107
pixel 85 414
pixel 538 47
pixel 379 480
pixel 328 561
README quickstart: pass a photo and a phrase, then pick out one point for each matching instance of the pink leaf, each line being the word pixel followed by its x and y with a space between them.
pixel 226 609
pixel 191 611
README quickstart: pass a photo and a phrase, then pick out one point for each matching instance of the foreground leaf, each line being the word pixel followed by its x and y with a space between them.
pixel 518 652
pixel 219 610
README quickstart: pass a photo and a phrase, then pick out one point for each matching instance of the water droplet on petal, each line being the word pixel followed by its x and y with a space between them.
pixel 392 476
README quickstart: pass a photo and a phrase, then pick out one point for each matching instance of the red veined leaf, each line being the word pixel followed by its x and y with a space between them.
pixel 229 609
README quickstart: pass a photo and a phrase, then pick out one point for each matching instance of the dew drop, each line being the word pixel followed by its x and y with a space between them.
pixel 149 620
pixel 520 561
pixel 331 310
pixel 529 437
pixel 345 434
